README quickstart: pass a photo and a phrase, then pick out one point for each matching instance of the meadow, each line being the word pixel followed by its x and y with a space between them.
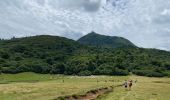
pixel 31 86
pixel 146 88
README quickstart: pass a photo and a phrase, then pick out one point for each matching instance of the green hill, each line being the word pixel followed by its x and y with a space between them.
pixel 35 53
pixel 98 40
pixel 59 55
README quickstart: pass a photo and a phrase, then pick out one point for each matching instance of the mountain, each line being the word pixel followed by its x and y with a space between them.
pixel 98 40
pixel 59 55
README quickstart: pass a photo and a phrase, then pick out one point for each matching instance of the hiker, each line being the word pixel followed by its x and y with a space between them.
pixel 125 84
pixel 97 81
pixel 130 84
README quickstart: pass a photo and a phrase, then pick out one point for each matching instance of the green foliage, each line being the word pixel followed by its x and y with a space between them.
pixel 4 54
pixel 85 73
pixel 167 65
pixel 95 39
pixel 149 73
pixel 57 55
pixel 58 68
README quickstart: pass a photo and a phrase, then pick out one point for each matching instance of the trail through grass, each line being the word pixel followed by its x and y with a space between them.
pixel 145 89
pixel 30 86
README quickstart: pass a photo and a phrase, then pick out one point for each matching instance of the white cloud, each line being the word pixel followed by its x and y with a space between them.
pixel 144 22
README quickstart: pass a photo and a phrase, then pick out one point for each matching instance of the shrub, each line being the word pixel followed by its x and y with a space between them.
pixel 58 68
pixel 148 73
pixel 85 73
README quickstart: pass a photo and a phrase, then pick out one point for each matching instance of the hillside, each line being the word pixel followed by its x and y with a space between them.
pixel 35 53
pixel 98 40
pixel 59 55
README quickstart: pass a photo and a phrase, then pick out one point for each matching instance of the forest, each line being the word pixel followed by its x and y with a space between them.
pixel 59 55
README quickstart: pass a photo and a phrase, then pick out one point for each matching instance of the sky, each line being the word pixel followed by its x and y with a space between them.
pixel 146 23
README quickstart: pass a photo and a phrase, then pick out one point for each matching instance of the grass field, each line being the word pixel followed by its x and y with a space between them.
pixel 145 89
pixel 30 86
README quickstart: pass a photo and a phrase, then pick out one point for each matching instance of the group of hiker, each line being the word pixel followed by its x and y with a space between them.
pixel 128 84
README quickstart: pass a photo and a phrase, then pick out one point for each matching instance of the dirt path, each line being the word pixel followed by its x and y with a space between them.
pixel 90 95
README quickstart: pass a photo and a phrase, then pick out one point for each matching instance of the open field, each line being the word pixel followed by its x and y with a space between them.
pixel 145 89
pixel 30 86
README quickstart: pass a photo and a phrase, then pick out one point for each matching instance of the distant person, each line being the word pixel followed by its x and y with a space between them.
pixel 97 81
pixel 125 84
pixel 130 84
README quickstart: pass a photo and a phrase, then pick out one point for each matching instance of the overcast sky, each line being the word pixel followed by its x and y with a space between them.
pixel 144 22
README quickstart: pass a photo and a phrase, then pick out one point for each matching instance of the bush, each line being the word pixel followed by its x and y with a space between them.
pixel 167 65
pixel 155 74
pixel 18 58
pixel 85 73
pixel 120 72
pixel 58 68
pixel 111 71
pixel 5 55
pixel 10 70
pixel 148 73
pixel 18 48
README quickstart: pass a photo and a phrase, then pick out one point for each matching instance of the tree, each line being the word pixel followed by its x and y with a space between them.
pixel 85 73
pixel 58 68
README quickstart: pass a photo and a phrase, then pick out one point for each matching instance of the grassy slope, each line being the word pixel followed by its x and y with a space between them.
pixel 30 86
pixel 145 89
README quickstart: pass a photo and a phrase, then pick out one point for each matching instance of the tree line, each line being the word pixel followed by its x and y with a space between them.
pixel 57 55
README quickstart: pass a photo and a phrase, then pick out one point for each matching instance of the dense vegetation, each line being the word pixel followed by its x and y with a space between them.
pixel 58 55
pixel 94 39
